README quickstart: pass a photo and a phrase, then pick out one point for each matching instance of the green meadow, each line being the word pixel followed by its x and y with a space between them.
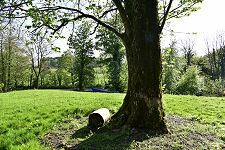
pixel 27 116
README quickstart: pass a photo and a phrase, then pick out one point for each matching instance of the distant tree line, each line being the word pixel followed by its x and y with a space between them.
pixel 190 74
pixel 26 63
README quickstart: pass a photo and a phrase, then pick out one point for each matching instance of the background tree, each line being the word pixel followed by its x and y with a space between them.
pixel 190 83
pixel 209 58
pixel 66 65
pixel 82 45
pixel 37 51
pixel 187 47
pixel 172 67
pixel 9 48
pixel 212 65
pixel 3 61
pixel 221 56
pixel 20 68
pixel 112 55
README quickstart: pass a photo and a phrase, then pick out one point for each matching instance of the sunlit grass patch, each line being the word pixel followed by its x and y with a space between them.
pixel 206 110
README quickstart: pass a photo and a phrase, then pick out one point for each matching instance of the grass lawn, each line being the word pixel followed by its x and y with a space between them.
pixel 209 110
pixel 30 117
pixel 26 115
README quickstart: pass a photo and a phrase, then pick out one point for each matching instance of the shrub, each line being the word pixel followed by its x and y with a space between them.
pixel 213 87
pixel 190 83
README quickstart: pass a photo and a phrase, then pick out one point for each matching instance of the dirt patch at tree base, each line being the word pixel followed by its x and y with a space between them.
pixel 184 134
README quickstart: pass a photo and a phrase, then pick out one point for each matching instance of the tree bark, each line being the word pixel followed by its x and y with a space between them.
pixel 142 106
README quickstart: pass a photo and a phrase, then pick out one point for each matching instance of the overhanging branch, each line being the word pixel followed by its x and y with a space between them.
pixel 83 15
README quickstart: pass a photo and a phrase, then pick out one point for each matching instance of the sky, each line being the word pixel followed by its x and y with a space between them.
pixel 206 22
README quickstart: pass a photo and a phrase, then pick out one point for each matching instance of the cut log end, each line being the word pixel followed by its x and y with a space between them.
pixel 99 117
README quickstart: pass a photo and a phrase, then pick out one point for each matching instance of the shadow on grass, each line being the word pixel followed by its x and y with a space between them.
pixel 106 138
pixel 185 134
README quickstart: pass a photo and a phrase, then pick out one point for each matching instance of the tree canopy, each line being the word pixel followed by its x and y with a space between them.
pixel 56 14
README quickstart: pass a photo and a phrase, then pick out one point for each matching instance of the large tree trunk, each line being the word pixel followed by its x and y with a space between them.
pixel 142 107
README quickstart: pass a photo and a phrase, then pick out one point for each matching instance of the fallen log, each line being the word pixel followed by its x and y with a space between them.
pixel 99 117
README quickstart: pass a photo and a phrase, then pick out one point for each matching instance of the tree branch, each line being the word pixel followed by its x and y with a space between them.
pixel 95 29
pixel 180 11
pixel 13 6
pixel 106 12
pixel 177 7
pixel 122 13
pixel 104 25
pixel 83 15
pixel 165 15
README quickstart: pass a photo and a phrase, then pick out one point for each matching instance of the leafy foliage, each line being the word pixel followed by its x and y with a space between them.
pixel 190 82
pixel 13 63
pixel 172 66
pixel 112 55
pixel 213 87
pixel 56 14
pixel 65 65
pixel 82 45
